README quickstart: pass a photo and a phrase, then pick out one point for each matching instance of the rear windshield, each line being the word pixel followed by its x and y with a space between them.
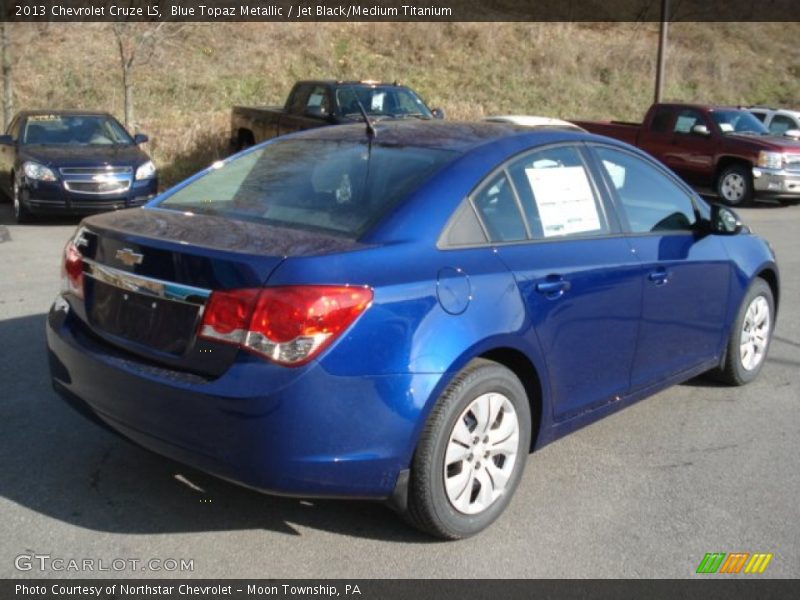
pixel 331 186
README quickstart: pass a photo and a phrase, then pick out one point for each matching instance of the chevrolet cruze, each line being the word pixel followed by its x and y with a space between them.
pixel 404 312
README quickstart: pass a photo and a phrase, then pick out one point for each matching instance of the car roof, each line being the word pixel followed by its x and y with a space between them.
pixel 777 111
pixel 65 112
pixel 456 136
pixel 365 82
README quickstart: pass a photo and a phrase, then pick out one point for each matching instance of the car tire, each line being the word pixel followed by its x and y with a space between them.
pixel 750 336
pixel 21 212
pixel 735 185
pixel 482 415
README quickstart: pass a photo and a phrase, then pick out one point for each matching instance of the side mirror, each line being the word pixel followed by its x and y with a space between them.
pixel 792 133
pixel 724 221
pixel 316 112
pixel 140 138
pixel 701 130
pixel 6 140
pixel 438 113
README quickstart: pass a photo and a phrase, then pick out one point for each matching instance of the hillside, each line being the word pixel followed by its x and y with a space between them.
pixel 184 93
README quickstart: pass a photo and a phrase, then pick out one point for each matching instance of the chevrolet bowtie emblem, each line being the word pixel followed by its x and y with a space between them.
pixel 128 257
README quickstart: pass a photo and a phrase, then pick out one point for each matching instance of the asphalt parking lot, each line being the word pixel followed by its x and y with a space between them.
pixel 644 493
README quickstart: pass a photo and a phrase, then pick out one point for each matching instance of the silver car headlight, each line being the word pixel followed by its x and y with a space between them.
pixel 34 170
pixel 146 171
pixel 770 160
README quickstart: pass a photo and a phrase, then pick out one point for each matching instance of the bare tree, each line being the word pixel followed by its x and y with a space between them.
pixel 8 80
pixel 136 45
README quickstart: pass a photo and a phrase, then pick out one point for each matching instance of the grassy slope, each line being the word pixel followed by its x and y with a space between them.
pixel 184 94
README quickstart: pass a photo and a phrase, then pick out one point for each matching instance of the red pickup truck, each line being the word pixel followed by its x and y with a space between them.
pixel 726 149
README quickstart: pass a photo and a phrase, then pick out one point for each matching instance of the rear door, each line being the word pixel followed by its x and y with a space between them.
pixel 578 278
pixel 685 273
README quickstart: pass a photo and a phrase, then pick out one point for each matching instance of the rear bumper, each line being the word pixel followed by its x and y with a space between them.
pixel 52 198
pixel 300 432
pixel 776 182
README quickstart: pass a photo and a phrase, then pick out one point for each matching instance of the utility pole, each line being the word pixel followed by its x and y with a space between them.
pixel 662 49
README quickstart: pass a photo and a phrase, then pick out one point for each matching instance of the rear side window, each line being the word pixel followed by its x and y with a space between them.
pixel 331 186
pixel 497 205
pixel 556 194
pixel 299 99
pixel 661 120
pixel 650 200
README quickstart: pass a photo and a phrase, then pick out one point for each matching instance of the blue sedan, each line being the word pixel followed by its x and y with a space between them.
pixel 404 312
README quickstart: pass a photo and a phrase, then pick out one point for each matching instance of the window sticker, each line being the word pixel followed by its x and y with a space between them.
pixel 725 127
pixel 44 118
pixel 685 123
pixel 377 101
pixel 565 200
pixel 616 172
pixel 315 100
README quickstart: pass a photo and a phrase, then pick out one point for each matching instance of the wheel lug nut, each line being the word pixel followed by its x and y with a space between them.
pixel 478 465
pixel 486 440
pixel 470 457
pixel 475 440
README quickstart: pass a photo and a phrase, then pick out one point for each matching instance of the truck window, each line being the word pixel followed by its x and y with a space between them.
pixel 299 98
pixel 318 98
pixel 687 118
pixel 781 124
pixel 650 200
pixel 661 119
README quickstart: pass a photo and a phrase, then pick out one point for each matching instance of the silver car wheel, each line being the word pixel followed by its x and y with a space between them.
pixel 481 453
pixel 733 188
pixel 755 333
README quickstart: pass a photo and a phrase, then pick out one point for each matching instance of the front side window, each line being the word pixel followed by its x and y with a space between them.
pixel 556 194
pixel 317 185
pixel 687 119
pixel 318 99
pixel 650 200
pixel 74 130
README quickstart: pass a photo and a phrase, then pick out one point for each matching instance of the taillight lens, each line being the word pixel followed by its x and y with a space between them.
pixel 72 270
pixel 288 325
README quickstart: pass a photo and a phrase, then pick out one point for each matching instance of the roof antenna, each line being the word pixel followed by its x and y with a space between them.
pixel 371 133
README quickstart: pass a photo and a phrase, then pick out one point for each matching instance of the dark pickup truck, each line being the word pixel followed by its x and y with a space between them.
pixel 725 149
pixel 73 162
pixel 319 103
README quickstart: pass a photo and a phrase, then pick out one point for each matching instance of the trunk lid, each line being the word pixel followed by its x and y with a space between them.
pixel 148 274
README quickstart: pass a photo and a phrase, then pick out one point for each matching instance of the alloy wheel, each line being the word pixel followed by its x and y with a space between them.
pixel 755 333
pixel 481 453
pixel 733 188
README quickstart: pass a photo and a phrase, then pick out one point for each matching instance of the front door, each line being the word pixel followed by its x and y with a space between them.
pixel 685 272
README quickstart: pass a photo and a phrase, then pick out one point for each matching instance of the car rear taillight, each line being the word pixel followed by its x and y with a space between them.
pixel 288 325
pixel 72 270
